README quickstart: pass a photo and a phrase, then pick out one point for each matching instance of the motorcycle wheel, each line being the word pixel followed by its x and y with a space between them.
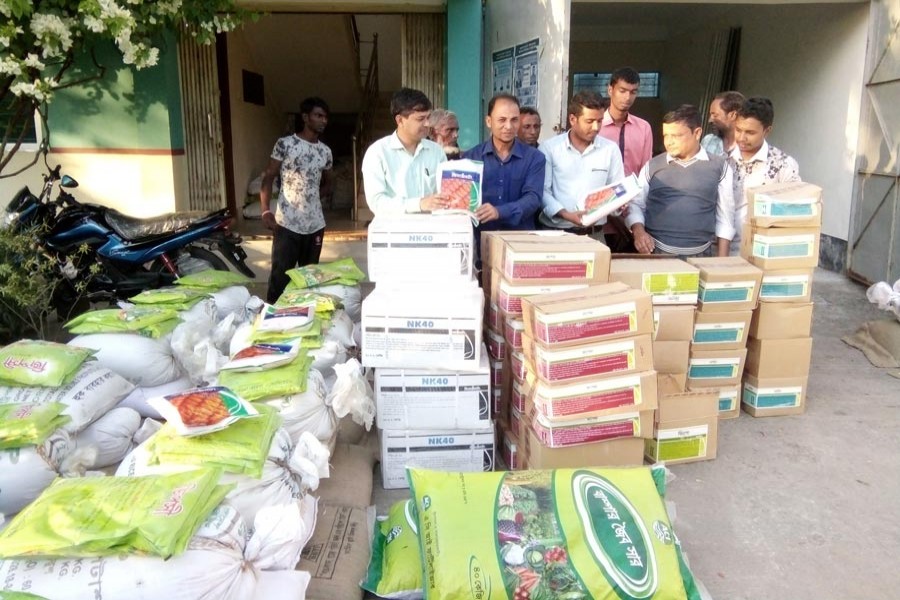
pixel 208 257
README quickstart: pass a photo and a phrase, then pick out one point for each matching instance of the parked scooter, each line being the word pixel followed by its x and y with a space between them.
pixel 133 254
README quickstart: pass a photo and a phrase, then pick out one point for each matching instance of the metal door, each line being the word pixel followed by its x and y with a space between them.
pixel 874 253
pixel 203 146
pixel 422 49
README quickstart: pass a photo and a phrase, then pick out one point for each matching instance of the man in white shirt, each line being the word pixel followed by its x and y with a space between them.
pixel 445 131
pixel 686 197
pixel 723 112
pixel 578 161
pixel 400 170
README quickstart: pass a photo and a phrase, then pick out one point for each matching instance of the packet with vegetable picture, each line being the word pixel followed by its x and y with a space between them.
pixel 284 318
pixel 258 357
pixel 29 424
pixel 599 203
pixel 212 279
pixel 460 182
pixel 577 534
pixel 271 383
pixel 29 363
pixel 200 411
pixel 395 567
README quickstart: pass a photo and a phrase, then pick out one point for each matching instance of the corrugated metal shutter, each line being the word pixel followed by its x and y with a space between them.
pixel 203 147
pixel 422 48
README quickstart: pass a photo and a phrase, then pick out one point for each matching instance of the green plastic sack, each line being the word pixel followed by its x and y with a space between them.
pixel 326 304
pixel 242 448
pixel 29 424
pixel 99 516
pixel 395 567
pixel 19 596
pixel 211 279
pixel 271 383
pixel 339 271
pixel 171 297
pixel 39 363
pixel 568 533
pixel 314 329
pixel 149 320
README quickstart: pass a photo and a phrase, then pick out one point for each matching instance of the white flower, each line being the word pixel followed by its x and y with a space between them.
pixel 10 66
pixel 5 8
pixel 52 33
pixel 94 24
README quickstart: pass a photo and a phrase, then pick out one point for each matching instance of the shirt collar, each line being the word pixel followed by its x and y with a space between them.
pixel 761 155
pixel 517 148
pixel 608 120
pixel 394 143
pixel 702 155
pixel 593 144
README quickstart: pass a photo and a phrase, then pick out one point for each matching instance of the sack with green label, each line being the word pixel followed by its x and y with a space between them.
pixel 39 363
pixel 576 534
pixel 395 566
pixel 29 424
pixel 147 320
pixel 211 279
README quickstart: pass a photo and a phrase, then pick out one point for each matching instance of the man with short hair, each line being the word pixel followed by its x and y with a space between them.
pixel 578 161
pixel 722 115
pixel 399 171
pixel 513 178
pixel 633 135
pixel 754 160
pixel 298 223
pixel 686 197
pixel 530 127
pixel 444 128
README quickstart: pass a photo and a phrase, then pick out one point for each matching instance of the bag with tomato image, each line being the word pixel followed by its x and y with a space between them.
pixel 460 182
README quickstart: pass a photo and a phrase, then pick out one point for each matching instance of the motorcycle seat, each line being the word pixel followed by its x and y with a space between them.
pixel 134 229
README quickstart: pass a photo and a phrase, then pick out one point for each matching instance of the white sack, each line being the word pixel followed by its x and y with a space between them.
pixel 112 435
pixel 349 295
pixel 222 562
pixel 232 300
pixel 340 329
pixel 204 309
pixel 141 360
pixel 328 355
pixel 137 399
pixel 92 393
pixel 352 394
pixel 308 411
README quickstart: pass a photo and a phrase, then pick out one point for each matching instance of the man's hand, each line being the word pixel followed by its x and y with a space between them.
pixel 268 219
pixel 487 213
pixel 643 241
pixel 433 202
pixel 573 217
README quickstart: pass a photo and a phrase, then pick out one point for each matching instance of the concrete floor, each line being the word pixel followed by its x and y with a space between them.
pixel 794 508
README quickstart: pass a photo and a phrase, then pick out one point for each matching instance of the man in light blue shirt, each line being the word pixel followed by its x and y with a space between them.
pixel 578 161
pixel 400 170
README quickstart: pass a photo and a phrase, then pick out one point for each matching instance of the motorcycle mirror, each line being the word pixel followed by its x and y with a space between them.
pixel 68 182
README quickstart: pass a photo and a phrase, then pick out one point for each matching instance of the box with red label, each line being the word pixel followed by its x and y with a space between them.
pixel 513 328
pixel 509 451
pixel 555 259
pixel 493 317
pixel 496 344
pixel 602 396
pixel 520 391
pixel 599 312
pixel 621 452
pixel 613 357
pixel 508 296
pixel 517 364
pixel 558 434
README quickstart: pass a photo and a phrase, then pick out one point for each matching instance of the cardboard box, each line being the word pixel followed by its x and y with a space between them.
pixel 509 451
pixel 669 383
pixel 520 392
pixel 727 284
pixel 790 285
pixel 775 397
pixel 775 248
pixel 721 330
pixel 777 320
pixel 442 450
pixel 729 402
pixel 496 372
pixel 598 397
pixel 580 363
pixel 420 248
pixel 410 398
pixel 517 365
pixel 715 368
pixel 557 434
pixel 496 344
pixel 673 323
pixel 794 204
pixel 493 318
pixel 622 452
pixel 667 280
pixel 671 357
pixel 686 427
pixel 599 312
pixel 513 328
pixel 423 327
pixel 768 359
pixel 690 404
pixel 555 259
pixel 509 296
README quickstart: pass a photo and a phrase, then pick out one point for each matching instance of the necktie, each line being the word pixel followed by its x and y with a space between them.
pixel 622 140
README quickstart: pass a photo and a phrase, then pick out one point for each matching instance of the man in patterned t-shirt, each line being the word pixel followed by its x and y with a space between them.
pixel 298 225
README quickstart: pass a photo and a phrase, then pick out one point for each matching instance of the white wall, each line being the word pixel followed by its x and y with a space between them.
pixel 388 28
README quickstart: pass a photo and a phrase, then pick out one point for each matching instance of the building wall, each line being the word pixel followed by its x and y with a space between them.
pixel 389 60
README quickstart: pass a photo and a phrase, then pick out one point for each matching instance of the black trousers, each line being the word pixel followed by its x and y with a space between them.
pixel 291 250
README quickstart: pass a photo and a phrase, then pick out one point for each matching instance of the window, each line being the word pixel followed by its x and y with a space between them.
pixel 32 133
pixel 598 82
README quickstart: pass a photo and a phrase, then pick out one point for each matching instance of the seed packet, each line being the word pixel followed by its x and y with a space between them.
pixel 599 203
pixel 325 303
pixel 274 318
pixel 343 271
pixel 460 182
pixel 258 357
pixel 395 567
pixel 29 424
pixel 176 298
pixel 200 411
pixel 149 320
pixel 39 363
pixel 211 279
pixel 271 383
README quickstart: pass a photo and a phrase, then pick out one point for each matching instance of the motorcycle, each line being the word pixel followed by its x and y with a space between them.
pixel 133 254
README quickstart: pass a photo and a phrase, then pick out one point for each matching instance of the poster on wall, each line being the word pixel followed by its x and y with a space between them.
pixel 526 72
pixel 502 67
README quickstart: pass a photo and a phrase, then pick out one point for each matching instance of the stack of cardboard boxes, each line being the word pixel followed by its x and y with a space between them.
pixel 781 238
pixel 422 332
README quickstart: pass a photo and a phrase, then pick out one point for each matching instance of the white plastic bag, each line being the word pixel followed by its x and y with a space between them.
pixel 137 399
pixel 307 412
pixel 112 436
pixel 201 346
pixel 328 355
pixel 885 297
pixel 141 360
pixel 352 394
pixel 341 329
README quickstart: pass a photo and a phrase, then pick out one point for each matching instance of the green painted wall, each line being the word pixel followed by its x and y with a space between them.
pixel 126 109
pixel 464 64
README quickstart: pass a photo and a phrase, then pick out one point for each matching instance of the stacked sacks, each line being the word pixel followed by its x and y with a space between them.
pixel 781 238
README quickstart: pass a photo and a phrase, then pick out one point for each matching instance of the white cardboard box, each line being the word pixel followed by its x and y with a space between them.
pixel 420 248
pixel 441 450
pixel 423 327
pixel 425 399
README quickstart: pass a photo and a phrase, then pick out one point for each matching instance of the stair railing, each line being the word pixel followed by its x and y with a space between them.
pixel 363 132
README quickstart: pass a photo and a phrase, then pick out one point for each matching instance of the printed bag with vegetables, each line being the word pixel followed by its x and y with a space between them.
pixel 460 182
pixel 568 534
pixel 202 410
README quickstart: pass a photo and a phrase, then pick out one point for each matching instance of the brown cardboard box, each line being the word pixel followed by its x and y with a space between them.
pixel 517 363
pixel 558 434
pixel 671 357
pixel 493 316
pixel 509 450
pixel 622 452
pixel 794 204
pixel 667 280
pixel 600 312
pixel 673 323
pixel 727 284
pixel 721 330
pixel 597 397
pixel 778 320
pixel 588 361
pixel 768 359
pixel 496 344
pixel 555 259
pixel 729 402
pixel 509 295
pixel 715 368
pixel 669 383
pixel 775 248
pixel 686 427
pixel 788 285
pixel 691 404
pixel 513 328
pixel 776 397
